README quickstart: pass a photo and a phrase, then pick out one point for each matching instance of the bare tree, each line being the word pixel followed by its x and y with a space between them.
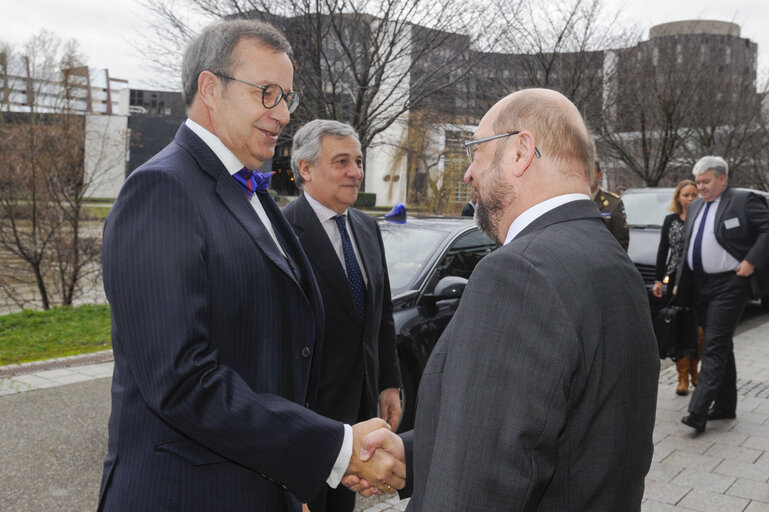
pixel 44 178
pixel 648 112
pixel 675 99
pixel 435 161
pixel 559 45
pixel 365 62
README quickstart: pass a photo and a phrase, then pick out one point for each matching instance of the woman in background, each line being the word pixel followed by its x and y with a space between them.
pixel 668 255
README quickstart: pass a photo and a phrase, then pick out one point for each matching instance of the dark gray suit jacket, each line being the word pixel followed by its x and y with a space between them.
pixel 358 357
pixel 214 334
pixel 541 393
pixel 748 240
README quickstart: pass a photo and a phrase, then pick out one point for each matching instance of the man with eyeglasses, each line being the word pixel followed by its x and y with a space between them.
pixel 217 321
pixel 541 392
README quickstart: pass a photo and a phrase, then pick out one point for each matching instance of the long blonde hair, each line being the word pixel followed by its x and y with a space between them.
pixel 675 204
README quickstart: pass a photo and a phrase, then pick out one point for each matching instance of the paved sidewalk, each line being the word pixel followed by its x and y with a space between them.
pixel 18 378
pixel 724 469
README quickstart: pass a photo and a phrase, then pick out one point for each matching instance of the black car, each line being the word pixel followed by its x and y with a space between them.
pixel 429 260
pixel 646 209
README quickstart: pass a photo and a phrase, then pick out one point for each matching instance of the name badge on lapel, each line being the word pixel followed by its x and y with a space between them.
pixel 732 223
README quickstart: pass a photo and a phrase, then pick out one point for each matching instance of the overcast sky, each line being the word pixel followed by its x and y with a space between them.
pixel 108 31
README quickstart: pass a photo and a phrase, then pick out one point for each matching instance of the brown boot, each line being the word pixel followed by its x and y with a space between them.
pixel 694 363
pixel 682 365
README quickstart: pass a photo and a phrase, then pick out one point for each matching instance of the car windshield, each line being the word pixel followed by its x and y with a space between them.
pixel 647 208
pixel 407 250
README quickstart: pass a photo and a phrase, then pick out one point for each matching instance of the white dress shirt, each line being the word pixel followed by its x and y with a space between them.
pixel 715 259
pixel 326 217
pixel 538 210
pixel 233 165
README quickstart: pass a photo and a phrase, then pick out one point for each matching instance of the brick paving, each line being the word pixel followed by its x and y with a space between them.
pixel 724 469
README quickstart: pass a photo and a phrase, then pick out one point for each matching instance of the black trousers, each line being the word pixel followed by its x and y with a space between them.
pixel 719 302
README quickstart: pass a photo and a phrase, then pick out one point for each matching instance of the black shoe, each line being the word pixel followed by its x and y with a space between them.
pixel 696 422
pixel 715 414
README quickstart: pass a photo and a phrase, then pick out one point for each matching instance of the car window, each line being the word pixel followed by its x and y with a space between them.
pixel 648 208
pixel 407 249
pixel 464 254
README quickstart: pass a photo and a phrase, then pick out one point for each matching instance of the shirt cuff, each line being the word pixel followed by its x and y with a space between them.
pixel 342 461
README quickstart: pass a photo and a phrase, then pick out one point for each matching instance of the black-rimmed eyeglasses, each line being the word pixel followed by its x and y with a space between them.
pixel 271 93
pixel 470 145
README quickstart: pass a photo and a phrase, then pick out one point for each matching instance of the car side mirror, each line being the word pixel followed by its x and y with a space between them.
pixel 449 287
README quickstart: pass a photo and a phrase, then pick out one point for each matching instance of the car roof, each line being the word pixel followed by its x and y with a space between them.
pixel 653 190
pixel 433 222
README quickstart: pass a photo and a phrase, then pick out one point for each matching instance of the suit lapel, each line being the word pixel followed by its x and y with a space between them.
pixel 233 197
pixel 367 243
pixel 368 246
pixel 691 217
pixel 318 247
pixel 723 205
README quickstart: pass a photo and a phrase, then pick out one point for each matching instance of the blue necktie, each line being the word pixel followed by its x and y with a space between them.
pixel 354 275
pixel 697 251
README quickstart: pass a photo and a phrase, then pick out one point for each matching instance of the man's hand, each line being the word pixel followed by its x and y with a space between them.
pixel 375 443
pixel 384 469
pixel 745 268
pixel 657 289
pixel 390 407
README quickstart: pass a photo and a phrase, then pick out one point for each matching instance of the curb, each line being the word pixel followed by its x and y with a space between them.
pixel 14 370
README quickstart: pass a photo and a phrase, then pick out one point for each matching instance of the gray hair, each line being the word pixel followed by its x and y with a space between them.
pixel 711 163
pixel 308 139
pixel 212 50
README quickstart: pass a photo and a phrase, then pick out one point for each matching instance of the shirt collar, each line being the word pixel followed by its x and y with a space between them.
pixel 323 212
pixel 538 210
pixel 222 152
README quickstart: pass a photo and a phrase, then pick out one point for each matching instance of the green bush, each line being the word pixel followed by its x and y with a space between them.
pixel 365 200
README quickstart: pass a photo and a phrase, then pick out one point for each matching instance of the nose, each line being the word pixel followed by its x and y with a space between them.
pixel 280 113
pixel 468 177
pixel 355 171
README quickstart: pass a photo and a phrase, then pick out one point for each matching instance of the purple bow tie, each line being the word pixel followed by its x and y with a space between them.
pixel 253 181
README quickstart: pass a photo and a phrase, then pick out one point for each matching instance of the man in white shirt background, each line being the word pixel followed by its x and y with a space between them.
pixel 725 261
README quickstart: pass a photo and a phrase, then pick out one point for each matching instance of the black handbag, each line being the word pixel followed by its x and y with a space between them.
pixel 676 330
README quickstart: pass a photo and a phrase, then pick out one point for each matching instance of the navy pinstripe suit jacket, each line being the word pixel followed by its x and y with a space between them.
pixel 214 334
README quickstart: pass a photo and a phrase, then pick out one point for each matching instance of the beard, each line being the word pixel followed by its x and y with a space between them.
pixel 492 203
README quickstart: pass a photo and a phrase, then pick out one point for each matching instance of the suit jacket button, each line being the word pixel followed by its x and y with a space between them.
pixel 306 352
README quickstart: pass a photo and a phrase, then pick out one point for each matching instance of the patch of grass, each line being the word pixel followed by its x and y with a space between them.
pixel 96 212
pixel 58 332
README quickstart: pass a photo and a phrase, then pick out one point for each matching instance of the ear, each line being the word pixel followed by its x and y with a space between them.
pixel 522 152
pixel 304 170
pixel 208 87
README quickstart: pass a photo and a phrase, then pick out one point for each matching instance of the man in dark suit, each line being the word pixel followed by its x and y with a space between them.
pixel 360 362
pixel 469 209
pixel 217 320
pixel 535 398
pixel 725 261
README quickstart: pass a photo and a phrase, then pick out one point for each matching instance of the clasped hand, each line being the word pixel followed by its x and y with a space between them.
pixel 378 459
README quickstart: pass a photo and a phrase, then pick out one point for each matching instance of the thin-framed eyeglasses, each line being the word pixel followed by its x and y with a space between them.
pixel 470 145
pixel 271 93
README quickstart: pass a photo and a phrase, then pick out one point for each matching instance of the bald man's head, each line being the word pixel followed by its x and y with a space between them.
pixel 556 123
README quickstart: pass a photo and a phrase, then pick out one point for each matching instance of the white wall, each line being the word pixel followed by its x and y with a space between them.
pixel 105 154
pixel 385 177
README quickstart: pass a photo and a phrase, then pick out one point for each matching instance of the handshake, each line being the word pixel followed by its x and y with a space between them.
pixel 378 462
